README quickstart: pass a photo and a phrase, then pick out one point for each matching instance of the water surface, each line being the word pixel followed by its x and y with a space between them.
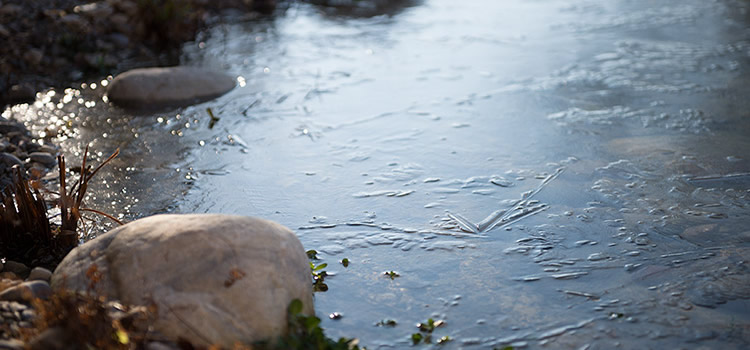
pixel 387 135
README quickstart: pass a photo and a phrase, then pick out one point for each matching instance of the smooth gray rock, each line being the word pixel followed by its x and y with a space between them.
pixel 11 344
pixel 215 279
pixel 8 160
pixel 27 292
pixel 154 88
pixel 17 268
pixel 39 274
pixel 43 158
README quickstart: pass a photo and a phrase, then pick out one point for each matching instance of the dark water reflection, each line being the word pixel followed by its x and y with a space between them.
pixel 368 134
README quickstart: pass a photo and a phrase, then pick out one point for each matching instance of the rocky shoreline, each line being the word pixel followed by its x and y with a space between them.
pixel 58 42
pixel 54 44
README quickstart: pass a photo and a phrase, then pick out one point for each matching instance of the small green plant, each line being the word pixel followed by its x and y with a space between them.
pixel 425 332
pixel 386 323
pixel 392 274
pixel 345 262
pixel 305 333
pixel 319 276
pixel 416 338
pixel 312 254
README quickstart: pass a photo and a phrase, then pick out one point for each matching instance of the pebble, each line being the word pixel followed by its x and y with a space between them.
pixel 11 344
pixel 10 10
pixel 119 40
pixel 94 10
pixel 17 268
pixel 27 291
pixel 40 274
pixel 6 126
pixel 45 159
pixel 74 22
pixel 33 56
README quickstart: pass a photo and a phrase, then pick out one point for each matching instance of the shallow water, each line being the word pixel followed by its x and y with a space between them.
pixel 387 135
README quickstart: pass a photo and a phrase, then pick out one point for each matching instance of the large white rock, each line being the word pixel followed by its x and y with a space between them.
pixel 149 88
pixel 215 279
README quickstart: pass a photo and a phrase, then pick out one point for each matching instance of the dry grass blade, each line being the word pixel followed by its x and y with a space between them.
pixel 26 233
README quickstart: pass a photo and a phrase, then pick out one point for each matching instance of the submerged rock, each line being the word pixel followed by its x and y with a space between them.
pixel 153 88
pixel 215 279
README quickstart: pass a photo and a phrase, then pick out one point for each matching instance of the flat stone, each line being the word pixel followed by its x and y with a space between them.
pixel 94 10
pixel 40 274
pixel 27 291
pixel 155 88
pixel 7 126
pixel 10 10
pixel 45 159
pixel 17 268
pixel 11 344
pixel 215 279
pixel 75 22
pixel 33 56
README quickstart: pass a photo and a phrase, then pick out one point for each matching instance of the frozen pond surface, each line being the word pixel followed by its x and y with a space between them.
pixel 387 136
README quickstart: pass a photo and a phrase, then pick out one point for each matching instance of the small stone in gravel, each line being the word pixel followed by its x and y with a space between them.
pixel 39 274
pixel 94 10
pixel 7 126
pixel 75 22
pixel 28 315
pixel 119 40
pixel 11 344
pixel 27 291
pixel 45 159
pixel 33 56
pixel 10 10
pixel 14 306
pixel 17 268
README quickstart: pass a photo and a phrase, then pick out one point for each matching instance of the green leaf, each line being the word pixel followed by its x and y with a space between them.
pixel 312 254
pixel 416 338
pixel 295 307
pixel 311 322
pixel 321 266
pixel 386 323
pixel 345 262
